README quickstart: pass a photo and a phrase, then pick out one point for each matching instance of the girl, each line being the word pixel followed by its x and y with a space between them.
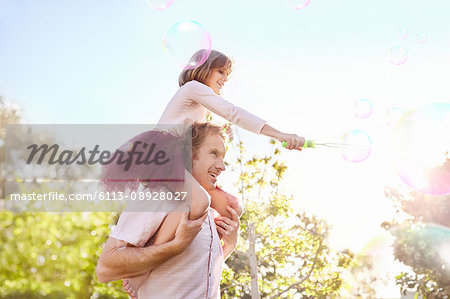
pixel 198 95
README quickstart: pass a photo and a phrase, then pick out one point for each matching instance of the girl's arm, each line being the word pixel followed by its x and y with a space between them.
pixel 293 141
pixel 205 96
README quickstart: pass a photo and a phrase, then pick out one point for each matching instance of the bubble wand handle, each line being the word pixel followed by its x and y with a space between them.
pixel 308 144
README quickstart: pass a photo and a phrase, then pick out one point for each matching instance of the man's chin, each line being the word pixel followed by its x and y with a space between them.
pixel 209 186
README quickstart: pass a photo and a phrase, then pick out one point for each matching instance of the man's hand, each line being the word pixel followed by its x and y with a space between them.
pixel 229 229
pixel 187 230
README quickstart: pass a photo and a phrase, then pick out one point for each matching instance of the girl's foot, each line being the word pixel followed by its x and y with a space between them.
pixel 129 289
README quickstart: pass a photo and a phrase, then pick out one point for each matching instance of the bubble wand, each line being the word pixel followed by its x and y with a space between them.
pixel 313 144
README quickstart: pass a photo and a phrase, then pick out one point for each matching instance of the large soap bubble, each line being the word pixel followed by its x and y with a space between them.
pixel 420 148
pixel 184 39
pixel 393 115
pixel 298 4
pixel 160 4
pixel 375 267
pixel 378 263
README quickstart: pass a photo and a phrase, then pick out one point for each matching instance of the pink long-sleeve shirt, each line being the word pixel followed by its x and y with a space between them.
pixel 192 102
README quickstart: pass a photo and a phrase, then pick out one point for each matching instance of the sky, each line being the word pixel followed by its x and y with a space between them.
pixel 102 62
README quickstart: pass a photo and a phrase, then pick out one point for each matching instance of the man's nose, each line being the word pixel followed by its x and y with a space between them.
pixel 225 77
pixel 221 165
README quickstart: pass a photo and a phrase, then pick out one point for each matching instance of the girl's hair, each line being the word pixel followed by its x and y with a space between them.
pixel 198 135
pixel 215 60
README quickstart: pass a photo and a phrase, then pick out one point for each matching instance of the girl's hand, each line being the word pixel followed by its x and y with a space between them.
pixel 293 141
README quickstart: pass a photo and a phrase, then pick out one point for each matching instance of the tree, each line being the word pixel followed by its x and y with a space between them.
pixel 9 114
pixel 362 276
pixel 280 253
pixel 50 254
pixel 18 176
pixel 422 241
pixel 53 255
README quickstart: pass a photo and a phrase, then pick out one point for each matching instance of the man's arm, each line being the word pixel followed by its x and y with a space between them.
pixel 227 250
pixel 119 260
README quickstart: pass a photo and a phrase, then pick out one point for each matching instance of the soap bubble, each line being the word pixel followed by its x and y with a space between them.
pixel 363 108
pixel 376 262
pixel 184 39
pixel 398 55
pixel 160 4
pixel 422 37
pixel 420 148
pixel 358 146
pixel 374 265
pixel 393 115
pixel 402 32
pixel 424 243
pixel 298 4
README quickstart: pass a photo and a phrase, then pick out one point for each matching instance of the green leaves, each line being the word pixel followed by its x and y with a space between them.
pixel 291 250
pixel 53 255
pixel 422 241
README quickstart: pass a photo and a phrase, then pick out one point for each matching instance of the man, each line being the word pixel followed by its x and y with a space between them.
pixel 190 265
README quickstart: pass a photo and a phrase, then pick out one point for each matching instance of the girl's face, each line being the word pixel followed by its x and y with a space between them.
pixel 217 78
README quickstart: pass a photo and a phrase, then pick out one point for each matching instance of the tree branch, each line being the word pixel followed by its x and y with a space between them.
pixel 303 279
pixel 270 254
pixel 241 252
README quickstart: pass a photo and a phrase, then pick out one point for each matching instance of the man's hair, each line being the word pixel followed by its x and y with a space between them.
pixel 200 73
pixel 198 135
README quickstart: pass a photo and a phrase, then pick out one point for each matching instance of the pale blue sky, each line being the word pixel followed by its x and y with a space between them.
pixel 102 62
pixel 68 60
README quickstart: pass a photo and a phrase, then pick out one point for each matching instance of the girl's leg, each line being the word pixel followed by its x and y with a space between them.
pixel 200 202
pixel 220 199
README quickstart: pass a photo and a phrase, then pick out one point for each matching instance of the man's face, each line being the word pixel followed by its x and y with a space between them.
pixel 208 163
